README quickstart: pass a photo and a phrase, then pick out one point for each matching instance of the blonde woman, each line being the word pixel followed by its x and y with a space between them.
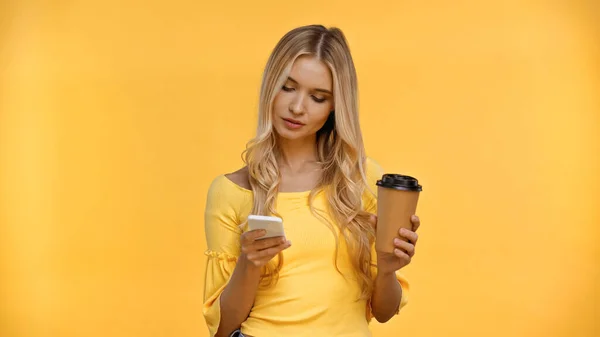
pixel 307 165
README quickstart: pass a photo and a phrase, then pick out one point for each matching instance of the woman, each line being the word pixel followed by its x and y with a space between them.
pixel 306 165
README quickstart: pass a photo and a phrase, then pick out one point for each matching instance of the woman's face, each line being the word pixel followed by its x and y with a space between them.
pixel 304 102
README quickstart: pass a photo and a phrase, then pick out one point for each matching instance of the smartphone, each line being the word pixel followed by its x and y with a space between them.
pixel 272 224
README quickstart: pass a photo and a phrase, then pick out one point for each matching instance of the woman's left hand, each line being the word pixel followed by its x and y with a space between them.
pixel 403 251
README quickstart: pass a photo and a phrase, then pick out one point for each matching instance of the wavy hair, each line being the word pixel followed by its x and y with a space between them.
pixel 340 148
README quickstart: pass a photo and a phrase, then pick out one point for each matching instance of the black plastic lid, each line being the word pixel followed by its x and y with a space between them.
pixel 400 182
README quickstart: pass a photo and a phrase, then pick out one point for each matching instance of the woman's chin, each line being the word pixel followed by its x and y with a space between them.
pixel 288 134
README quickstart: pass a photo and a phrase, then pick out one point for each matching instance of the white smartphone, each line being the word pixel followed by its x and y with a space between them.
pixel 272 224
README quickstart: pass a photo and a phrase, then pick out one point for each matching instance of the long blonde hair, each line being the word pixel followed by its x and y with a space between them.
pixel 340 146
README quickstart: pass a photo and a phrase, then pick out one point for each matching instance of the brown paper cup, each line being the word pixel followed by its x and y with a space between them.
pixel 397 198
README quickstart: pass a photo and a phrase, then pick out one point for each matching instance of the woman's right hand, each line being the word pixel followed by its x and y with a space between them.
pixel 258 251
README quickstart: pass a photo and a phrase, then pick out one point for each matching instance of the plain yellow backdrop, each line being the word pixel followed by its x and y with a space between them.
pixel 116 115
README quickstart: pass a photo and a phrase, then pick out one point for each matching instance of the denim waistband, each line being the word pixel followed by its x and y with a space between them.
pixel 237 333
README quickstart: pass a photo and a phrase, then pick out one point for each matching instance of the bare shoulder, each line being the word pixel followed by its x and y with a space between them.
pixel 240 177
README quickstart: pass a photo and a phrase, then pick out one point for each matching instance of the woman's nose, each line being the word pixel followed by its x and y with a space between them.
pixel 297 104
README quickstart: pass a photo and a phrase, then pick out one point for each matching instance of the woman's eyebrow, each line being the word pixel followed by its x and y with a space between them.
pixel 316 89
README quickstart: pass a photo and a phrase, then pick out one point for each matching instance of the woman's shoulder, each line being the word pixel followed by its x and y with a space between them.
pixel 231 185
pixel 373 171
pixel 240 178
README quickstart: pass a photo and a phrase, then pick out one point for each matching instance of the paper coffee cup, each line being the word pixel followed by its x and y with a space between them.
pixel 397 197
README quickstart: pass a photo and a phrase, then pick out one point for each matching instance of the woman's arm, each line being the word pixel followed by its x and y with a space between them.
pixel 387 292
pixel 238 296
pixel 386 297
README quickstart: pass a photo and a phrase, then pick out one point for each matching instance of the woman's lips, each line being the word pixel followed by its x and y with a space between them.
pixel 292 124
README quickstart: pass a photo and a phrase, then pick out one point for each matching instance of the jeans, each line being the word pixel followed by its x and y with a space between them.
pixel 237 333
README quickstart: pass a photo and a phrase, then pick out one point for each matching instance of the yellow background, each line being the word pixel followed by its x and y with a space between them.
pixel 116 115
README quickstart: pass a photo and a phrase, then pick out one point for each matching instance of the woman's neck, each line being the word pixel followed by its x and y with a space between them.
pixel 297 155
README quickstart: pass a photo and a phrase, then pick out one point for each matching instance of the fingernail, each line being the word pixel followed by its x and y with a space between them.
pixel 397 241
pixel 402 231
pixel 414 217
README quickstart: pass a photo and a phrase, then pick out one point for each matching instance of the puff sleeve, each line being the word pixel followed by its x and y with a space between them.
pixel 223 248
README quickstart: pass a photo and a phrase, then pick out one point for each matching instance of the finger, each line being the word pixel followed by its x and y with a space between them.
pixel 269 253
pixel 407 247
pixel 260 244
pixel 252 235
pixel 402 255
pixel 411 236
pixel 416 222
pixel 267 243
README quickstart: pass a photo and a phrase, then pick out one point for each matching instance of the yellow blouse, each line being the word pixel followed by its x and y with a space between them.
pixel 310 295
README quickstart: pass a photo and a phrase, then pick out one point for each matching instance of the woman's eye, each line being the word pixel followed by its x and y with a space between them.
pixel 315 98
